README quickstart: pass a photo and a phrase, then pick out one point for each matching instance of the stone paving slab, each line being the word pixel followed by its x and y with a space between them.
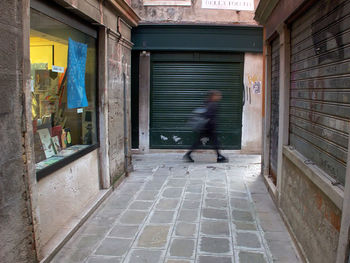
pixel 186 229
pixel 145 256
pixel 168 211
pixel 113 247
pixel 104 259
pixel 181 247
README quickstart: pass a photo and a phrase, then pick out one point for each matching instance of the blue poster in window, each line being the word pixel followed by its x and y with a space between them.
pixel 76 94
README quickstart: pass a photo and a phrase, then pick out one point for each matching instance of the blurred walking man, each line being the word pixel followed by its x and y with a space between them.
pixel 209 129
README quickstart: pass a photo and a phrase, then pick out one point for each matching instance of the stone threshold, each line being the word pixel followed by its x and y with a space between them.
pixel 64 235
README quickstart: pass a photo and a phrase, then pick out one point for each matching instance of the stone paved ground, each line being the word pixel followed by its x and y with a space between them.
pixel 174 212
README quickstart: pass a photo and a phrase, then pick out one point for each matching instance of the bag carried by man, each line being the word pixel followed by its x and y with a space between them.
pixel 198 120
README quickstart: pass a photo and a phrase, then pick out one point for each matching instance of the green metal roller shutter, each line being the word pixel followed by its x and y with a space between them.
pixel 180 82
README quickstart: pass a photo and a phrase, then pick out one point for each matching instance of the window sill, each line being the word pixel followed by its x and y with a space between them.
pixel 317 176
pixel 60 164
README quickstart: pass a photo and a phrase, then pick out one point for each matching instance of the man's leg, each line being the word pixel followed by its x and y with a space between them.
pixel 187 157
pixel 216 144
pixel 214 138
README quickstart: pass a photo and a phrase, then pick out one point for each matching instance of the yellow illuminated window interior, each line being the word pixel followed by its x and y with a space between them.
pixel 63 87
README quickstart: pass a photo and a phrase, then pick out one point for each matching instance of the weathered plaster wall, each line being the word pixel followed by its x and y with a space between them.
pixel 313 217
pixel 16 229
pixel 119 73
pixel 64 193
pixel 191 14
pixel 252 118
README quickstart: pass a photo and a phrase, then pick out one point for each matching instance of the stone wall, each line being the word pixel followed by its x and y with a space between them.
pixel 313 217
pixel 16 229
pixel 191 14
pixel 119 76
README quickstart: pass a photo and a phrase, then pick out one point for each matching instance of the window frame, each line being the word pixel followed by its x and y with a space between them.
pixel 60 14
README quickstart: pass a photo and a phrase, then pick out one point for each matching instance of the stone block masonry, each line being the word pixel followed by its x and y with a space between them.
pixel 16 229
pixel 313 217
pixel 119 64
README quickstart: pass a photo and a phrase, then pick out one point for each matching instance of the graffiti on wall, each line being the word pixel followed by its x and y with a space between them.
pixel 253 85
pixel 326 33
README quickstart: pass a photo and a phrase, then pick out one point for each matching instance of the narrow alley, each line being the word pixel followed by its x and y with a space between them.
pixel 175 212
pixel 102 98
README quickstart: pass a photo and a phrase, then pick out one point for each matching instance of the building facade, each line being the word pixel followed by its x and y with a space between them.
pixel 184 49
pixel 306 130
pixel 65 117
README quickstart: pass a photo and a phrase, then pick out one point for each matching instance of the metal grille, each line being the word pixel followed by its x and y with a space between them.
pixel 320 86
pixel 275 82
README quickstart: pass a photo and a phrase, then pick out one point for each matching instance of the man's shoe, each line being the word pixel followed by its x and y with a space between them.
pixel 187 158
pixel 222 159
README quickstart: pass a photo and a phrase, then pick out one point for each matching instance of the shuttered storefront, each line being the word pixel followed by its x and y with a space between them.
pixel 179 83
pixel 320 86
pixel 275 79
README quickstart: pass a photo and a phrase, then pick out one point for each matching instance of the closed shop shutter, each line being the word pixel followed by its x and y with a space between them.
pixel 320 86
pixel 179 84
pixel 275 82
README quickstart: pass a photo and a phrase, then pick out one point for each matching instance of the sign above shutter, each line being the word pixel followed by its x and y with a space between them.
pixel 198 38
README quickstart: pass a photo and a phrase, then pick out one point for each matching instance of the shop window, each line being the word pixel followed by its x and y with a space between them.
pixel 64 90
